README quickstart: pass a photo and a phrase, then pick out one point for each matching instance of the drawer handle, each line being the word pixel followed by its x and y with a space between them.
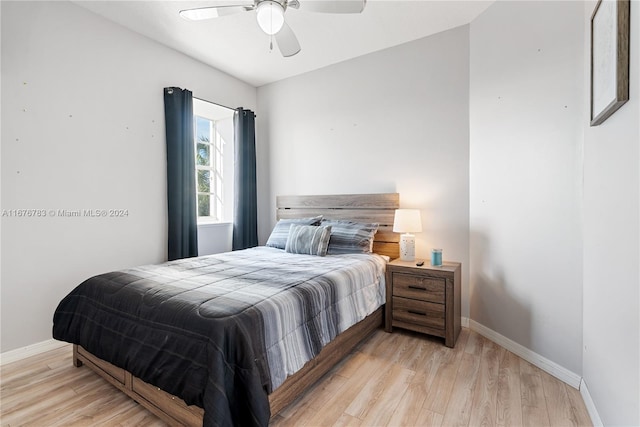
pixel 419 288
pixel 419 313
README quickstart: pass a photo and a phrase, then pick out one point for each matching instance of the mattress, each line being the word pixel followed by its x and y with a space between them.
pixel 222 331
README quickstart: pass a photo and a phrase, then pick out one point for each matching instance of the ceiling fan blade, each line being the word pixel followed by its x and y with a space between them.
pixel 287 41
pixel 202 13
pixel 333 6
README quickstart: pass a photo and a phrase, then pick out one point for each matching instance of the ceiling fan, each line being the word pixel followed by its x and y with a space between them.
pixel 270 15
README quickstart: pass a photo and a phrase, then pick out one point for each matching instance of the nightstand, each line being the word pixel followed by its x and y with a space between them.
pixel 424 299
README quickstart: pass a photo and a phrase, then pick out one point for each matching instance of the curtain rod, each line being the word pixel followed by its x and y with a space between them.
pixel 215 103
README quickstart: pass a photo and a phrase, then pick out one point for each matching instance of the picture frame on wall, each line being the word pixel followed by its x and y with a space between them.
pixel 609 58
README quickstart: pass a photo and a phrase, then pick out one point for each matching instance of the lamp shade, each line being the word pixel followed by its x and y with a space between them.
pixel 407 221
pixel 270 16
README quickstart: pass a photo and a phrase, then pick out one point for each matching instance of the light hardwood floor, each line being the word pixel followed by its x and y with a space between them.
pixel 399 379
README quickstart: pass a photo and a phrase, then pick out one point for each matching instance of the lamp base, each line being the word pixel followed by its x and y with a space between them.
pixel 407 247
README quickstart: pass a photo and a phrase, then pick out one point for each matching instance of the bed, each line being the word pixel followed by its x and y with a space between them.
pixel 178 340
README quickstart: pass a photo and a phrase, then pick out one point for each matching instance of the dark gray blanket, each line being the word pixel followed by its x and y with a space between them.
pixel 204 329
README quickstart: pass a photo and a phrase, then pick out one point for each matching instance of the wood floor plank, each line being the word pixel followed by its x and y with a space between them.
pixel 474 344
pixel 459 407
pixel 351 365
pixel 421 357
pixel 373 391
pixel 29 413
pixel 305 408
pixel 133 417
pixel 559 406
pixel 385 346
pixel 64 412
pixel 428 418
pixel 384 407
pixel 426 364
pixel 485 396
pixel 447 369
pixel 370 345
pixel 578 408
pixel 21 399
pixel 509 400
pixel 534 406
pixel 347 420
pixel 39 360
pixel 31 377
pixel 370 369
pixel 278 421
pixel 409 351
pixel 48 391
pixel 398 379
pixel 412 401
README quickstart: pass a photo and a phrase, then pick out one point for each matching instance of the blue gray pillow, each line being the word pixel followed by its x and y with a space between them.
pixel 308 239
pixel 280 233
pixel 350 237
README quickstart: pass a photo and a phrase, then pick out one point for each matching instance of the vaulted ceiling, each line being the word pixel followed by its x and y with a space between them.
pixel 236 45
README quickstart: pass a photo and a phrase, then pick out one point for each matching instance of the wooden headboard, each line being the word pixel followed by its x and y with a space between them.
pixel 378 208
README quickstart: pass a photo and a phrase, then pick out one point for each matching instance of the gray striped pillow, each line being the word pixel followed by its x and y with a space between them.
pixel 308 240
pixel 278 237
pixel 350 237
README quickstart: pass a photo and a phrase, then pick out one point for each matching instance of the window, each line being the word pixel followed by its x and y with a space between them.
pixel 209 151
pixel 213 139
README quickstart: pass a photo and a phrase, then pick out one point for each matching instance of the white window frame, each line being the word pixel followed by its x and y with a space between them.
pixel 221 161
pixel 215 168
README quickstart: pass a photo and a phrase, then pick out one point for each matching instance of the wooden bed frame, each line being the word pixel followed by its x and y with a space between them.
pixel 357 207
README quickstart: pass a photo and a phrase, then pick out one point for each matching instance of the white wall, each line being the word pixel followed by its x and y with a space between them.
pixel 526 113
pixel 214 238
pixel 83 128
pixel 391 121
pixel 611 354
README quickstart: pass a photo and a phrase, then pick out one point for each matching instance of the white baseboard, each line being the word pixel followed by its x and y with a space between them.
pixel 591 407
pixel 30 350
pixel 530 356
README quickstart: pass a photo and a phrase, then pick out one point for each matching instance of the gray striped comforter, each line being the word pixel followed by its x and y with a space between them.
pixel 222 331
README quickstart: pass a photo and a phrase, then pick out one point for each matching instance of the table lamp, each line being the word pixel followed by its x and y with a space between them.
pixel 407 221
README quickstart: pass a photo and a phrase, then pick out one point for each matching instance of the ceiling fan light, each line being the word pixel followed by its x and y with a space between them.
pixel 270 16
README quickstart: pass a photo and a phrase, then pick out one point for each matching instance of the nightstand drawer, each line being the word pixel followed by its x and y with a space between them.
pixel 418 312
pixel 417 287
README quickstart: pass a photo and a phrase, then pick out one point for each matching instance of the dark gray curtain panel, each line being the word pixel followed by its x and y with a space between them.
pixel 245 221
pixel 181 181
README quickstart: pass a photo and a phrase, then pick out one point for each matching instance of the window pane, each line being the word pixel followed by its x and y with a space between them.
pixel 203 129
pixel 218 163
pixel 204 181
pixel 203 155
pixel 203 205
pixel 219 187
